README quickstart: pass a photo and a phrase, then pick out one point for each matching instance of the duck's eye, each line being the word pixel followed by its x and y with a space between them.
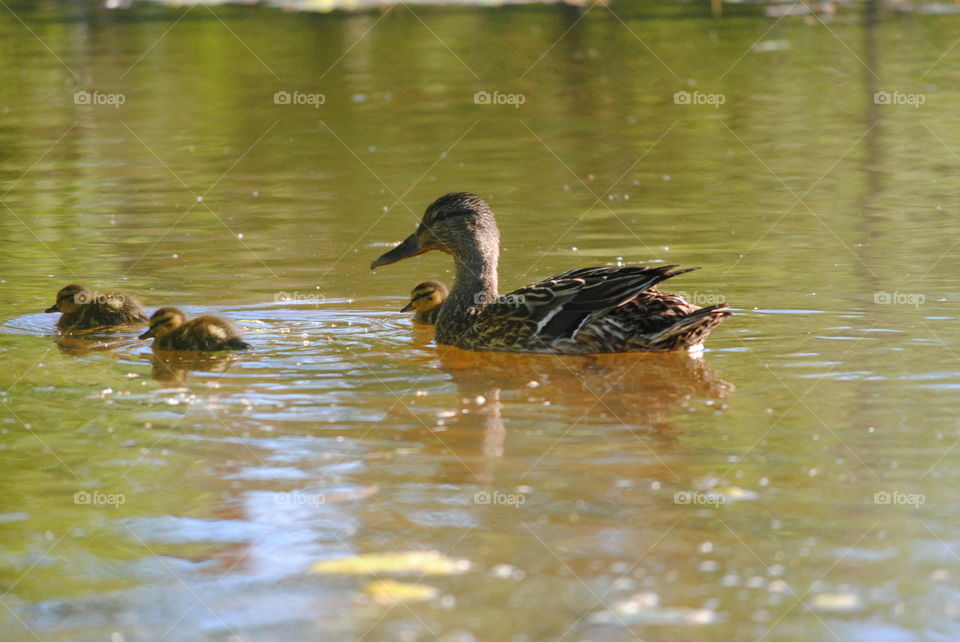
pixel 446 214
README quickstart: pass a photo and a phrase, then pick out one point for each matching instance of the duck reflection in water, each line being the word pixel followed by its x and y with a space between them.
pixel 83 343
pixel 641 392
pixel 175 366
pixel 166 365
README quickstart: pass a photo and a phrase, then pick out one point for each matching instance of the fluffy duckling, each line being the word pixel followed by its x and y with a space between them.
pixel 172 331
pixel 83 309
pixel 426 298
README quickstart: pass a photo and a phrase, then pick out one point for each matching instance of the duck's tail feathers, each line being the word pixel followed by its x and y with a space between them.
pixel 614 287
pixel 669 275
pixel 660 274
pixel 691 330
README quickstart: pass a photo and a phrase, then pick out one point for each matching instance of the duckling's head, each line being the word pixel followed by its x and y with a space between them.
pixel 164 321
pixel 426 296
pixel 71 298
pixel 461 224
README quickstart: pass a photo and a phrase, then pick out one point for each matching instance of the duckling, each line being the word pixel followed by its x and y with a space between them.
pixel 83 309
pixel 172 331
pixel 426 298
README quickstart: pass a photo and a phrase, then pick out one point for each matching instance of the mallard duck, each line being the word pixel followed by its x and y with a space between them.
pixel 83 309
pixel 426 298
pixel 588 310
pixel 172 331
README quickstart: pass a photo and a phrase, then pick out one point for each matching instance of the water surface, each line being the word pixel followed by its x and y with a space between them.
pixel 797 482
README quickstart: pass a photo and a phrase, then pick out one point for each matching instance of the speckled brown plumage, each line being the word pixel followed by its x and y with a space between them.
pixel 588 310
pixel 172 331
pixel 84 309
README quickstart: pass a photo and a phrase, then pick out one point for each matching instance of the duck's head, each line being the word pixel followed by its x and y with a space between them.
pixel 460 224
pixel 426 296
pixel 164 321
pixel 70 298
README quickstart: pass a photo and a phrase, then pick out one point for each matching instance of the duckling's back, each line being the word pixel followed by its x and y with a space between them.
pixel 203 333
pixel 109 309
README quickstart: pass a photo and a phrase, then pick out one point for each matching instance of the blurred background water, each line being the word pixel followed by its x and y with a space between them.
pixel 798 482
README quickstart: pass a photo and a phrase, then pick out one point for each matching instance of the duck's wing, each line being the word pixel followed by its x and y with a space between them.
pixel 558 307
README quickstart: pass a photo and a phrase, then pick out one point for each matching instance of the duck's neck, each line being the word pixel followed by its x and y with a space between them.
pixel 476 280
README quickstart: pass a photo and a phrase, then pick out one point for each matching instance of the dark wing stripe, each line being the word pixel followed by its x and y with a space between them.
pixel 564 304
pixel 599 308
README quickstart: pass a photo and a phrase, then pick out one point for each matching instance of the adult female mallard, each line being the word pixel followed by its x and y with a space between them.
pixel 588 310
pixel 83 309
pixel 426 298
pixel 172 331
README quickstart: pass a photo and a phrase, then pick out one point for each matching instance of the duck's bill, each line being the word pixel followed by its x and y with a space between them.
pixel 410 247
pixel 147 334
pixel 52 308
pixel 407 307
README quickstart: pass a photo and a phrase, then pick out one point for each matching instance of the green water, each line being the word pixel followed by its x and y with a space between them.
pixel 808 206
